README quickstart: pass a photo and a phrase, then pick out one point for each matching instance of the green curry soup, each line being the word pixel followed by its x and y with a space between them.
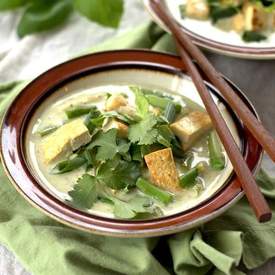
pixel 128 152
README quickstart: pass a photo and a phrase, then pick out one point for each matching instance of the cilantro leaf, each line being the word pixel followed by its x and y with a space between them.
pixel 143 132
pixel 107 145
pixel 131 208
pixel 84 194
pixel 118 174
pixel 142 104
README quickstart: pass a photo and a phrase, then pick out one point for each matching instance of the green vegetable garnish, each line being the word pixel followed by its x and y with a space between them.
pixel 182 9
pixel 217 158
pixel 131 208
pixel 219 12
pixel 170 112
pixel 252 36
pixel 165 135
pixel 85 194
pixel 190 177
pixel 161 102
pixel 144 132
pixel 107 145
pixel 142 105
pixel 48 130
pixel 118 174
pixel 151 190
pixel 77 111
pixel 68 165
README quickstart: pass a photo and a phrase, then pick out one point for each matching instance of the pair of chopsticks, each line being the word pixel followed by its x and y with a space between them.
pixel 186 50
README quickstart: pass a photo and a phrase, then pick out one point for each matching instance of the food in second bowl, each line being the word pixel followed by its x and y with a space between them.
pixel 253 19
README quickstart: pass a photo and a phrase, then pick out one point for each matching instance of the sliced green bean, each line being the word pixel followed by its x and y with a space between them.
pixel 190 177
pixel 161 102
pixel 77 111
pixel 48 130
pixel 217 158
pixel 151 190
pixel 170 112
pixel 68 165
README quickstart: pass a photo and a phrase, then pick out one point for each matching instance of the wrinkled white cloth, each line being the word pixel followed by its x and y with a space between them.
pixel 34 54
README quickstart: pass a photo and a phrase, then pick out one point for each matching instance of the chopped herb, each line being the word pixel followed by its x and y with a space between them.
pixel 107 145
pixel 252 36
pixel 84 194
pixel 131 208
pixel 161 102
pixel 218 12
pixel 142 104
pixel 118 174
pixel 144 132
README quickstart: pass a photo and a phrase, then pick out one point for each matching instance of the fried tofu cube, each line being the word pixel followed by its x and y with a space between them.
pixel 65 140
pixel 122 128
pixel 256 19
pixel 115 101
pixel 191 127
pixel 197 9
pixel 238 22
pixel 162 169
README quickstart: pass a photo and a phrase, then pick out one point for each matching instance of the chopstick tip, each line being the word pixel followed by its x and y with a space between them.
pixel 266 217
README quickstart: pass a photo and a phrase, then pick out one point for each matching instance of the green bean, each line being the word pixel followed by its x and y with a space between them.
pixel 151 190
pixel 170 112
pixel 217 159
pixel 68 165
pixel 77 111
pixel 161 102
pixel 48 130
pixel 190 177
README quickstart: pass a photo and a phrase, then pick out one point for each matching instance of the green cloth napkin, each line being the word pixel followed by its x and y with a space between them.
pixel 45 246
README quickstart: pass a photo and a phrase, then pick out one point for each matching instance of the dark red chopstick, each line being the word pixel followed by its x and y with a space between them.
pixel 248 183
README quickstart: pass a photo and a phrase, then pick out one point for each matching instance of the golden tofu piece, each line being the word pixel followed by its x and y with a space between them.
pixel 256 18
pixel 238 22
pixel 191 127
pixel 163 169
pixel 65 140
pixel 122 128
pixel 115 101
pixel 197 9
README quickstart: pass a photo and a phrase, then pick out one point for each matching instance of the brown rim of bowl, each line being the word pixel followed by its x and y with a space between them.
pixel 12 148
pixel 219 47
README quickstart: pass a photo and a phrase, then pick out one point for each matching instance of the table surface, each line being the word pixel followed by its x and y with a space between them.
pixel 253 77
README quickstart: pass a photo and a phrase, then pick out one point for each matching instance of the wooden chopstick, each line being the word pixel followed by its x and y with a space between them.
pixel 248 183
pixel 255 126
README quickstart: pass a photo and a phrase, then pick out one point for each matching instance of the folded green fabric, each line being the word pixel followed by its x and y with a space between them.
pixel 46 247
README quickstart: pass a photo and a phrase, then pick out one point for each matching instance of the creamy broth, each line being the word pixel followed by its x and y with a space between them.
pixel 59 185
